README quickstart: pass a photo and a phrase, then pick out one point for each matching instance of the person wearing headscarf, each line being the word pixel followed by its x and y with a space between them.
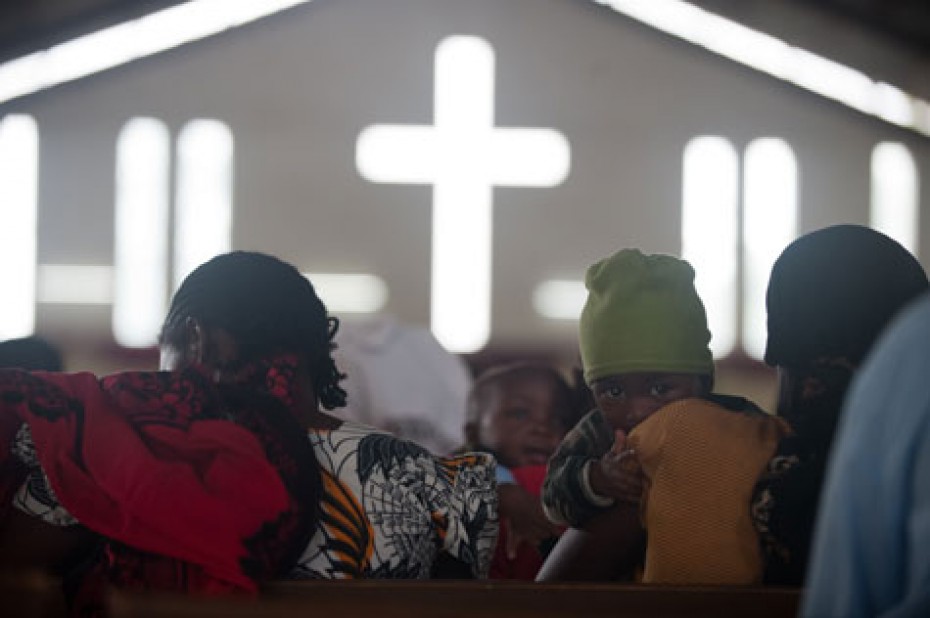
pixel 830 295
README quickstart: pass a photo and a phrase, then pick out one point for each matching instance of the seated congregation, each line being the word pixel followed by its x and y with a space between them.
pixel 228 474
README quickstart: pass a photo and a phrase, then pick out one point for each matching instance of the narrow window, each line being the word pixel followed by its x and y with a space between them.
pixel 350 292
pixel 19 164
pixel 560 299
pixel 770 212
pixel 141 228
pixel 709 232
pixel 203 225
pixel 894 194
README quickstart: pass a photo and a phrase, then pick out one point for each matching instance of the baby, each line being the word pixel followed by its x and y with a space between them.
pixel 519 413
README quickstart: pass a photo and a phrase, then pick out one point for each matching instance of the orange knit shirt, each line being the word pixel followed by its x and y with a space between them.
pixel 701 462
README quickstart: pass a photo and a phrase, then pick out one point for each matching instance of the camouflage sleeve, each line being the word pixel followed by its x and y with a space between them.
pixel 567 498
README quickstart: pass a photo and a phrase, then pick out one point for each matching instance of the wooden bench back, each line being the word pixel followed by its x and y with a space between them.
pixel 474 599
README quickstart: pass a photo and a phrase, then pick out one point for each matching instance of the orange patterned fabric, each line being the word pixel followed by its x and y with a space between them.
pixel 391 507
pixel 701 462
pixel 349 531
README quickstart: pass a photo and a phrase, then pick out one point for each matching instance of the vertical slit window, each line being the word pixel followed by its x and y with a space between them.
pixel 710 228
pixel 770 212
pixel 19 163
pixel 141 228
pixel 203 223
pixel 894 208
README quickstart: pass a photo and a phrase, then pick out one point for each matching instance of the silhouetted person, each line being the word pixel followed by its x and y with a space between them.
pixel 30 353
pixel 831 294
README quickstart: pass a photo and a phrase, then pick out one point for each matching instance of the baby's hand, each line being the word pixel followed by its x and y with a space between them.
pixel 524 518
pixel 617 474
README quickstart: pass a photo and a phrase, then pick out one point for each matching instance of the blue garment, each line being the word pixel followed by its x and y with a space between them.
pixel 871 551
pixel 503 475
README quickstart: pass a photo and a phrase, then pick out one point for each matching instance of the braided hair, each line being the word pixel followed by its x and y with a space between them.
pixel 268 307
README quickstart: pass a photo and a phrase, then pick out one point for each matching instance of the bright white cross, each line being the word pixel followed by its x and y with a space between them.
pixel 463 155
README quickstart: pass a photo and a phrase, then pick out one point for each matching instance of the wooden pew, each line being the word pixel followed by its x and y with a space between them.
pixel 404 599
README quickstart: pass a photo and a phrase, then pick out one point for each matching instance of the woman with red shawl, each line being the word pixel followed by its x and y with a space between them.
pixel 198 478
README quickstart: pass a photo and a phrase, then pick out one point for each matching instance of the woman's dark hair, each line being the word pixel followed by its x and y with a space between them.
pixel 268 307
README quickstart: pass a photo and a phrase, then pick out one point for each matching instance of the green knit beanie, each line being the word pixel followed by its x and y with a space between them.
pixel 643 314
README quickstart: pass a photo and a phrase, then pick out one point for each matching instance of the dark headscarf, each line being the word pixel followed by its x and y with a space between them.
pixel 833 291
pixel 30 353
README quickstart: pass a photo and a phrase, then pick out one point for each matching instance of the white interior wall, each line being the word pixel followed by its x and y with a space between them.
pixel 297 88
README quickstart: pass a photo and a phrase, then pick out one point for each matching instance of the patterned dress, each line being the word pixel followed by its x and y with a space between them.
pixel 390 508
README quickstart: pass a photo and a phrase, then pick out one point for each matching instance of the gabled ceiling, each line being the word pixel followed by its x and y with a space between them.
pixel 888 39
pixel 906 21
pixel 28 25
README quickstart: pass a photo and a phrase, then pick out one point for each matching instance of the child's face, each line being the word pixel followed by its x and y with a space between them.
pixel 521 422
pixel 627 399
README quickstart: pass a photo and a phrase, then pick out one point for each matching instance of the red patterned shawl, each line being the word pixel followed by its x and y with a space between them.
pixel 198 486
